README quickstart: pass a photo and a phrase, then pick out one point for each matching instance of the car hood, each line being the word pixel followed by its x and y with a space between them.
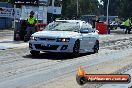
pixel 56 34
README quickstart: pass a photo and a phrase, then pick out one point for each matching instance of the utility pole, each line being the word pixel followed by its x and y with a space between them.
pixel 53 1
pixel 107 21
pixel 77 7
pixel 107 12
pixel 14 16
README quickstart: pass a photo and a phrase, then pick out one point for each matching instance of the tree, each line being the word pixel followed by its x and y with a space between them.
pixel 121 8
pixel 86 7
pixel 68 8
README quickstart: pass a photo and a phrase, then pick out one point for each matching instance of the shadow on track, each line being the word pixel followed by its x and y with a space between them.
pixel 12 42
pixel 55 56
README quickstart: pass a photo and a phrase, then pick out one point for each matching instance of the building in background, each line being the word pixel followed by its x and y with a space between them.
pixel 5 20
pixel 54 10
pixel 45 10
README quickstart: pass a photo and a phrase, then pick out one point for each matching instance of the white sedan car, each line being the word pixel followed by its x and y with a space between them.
pixel 67 37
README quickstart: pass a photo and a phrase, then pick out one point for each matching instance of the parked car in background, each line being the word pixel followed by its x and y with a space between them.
pixel 66 36
pixel 114 25
pixel 122 25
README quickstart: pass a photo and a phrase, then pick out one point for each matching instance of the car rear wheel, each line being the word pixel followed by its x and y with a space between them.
pixel 96 47
pixel 34 53
pixel 76 48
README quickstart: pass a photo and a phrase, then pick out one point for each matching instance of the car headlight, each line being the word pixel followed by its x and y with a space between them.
pixel 33 38
pixel 63 39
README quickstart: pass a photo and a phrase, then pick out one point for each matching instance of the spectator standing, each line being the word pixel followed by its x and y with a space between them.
pixel 127 25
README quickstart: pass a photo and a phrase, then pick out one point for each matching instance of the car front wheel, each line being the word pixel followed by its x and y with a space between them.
pixel 34 53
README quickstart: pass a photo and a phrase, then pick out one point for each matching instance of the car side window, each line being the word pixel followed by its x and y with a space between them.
pixel 84 30
pixel 87 29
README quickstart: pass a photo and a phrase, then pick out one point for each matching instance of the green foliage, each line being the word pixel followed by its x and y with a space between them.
pixel 121 8
pixel 86 7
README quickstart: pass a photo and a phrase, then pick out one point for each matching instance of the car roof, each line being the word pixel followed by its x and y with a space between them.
pixel 69 21
pixel 80 21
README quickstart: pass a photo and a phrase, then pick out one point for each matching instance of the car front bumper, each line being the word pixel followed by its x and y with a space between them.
pixel 51 46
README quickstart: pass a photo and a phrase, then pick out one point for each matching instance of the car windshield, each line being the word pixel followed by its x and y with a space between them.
pixel 63 26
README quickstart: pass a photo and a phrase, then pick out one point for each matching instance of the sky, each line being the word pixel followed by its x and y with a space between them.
pixel 100 2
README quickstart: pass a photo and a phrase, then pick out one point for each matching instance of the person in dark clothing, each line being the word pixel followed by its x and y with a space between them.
pixel 96 20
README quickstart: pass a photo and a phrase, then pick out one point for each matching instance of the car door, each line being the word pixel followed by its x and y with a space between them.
pixel 85 39
pixel 92 38
pixel 88 39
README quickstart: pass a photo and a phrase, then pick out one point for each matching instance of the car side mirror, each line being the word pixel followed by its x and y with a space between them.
pixel 97 31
